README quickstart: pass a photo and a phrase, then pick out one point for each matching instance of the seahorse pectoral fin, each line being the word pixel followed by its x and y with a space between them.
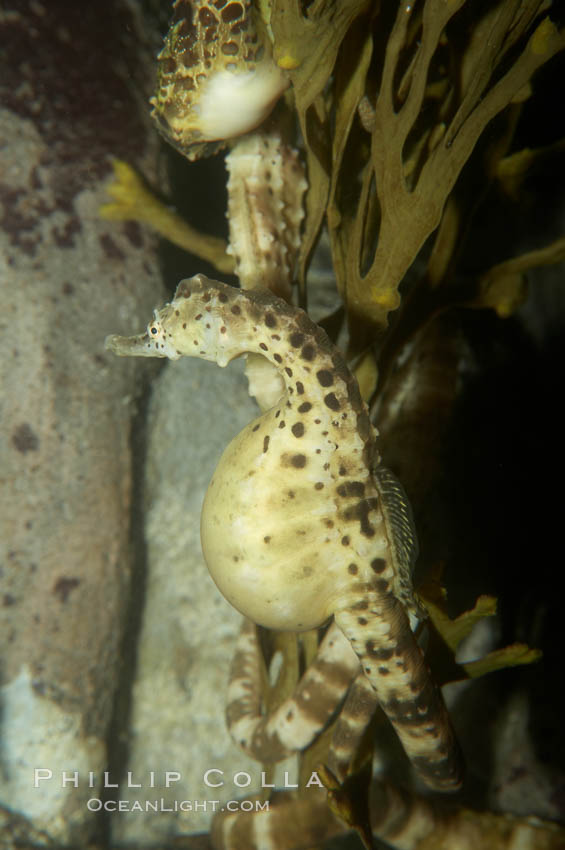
pixel 393 663
pixel 133 346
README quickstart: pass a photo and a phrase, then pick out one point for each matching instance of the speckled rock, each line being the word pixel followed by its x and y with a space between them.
pixel 188 628
pixel 67 279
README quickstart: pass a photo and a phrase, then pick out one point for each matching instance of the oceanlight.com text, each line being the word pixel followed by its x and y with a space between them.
pixel 162 805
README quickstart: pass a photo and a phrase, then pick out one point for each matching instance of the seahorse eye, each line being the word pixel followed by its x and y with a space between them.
pixel 153 329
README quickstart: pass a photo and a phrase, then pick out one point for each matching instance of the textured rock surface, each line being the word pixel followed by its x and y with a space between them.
pixel 67 279
pixel 188 628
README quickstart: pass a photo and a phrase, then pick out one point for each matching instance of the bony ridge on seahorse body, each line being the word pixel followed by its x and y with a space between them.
pixel 299 523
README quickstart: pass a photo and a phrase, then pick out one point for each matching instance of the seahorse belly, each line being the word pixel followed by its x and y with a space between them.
pixel 282 575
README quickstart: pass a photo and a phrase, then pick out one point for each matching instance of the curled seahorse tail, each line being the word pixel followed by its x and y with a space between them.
pixel 393 663
pixel 351 725
pixel 302 716
pixel 400 817
pixel 292 822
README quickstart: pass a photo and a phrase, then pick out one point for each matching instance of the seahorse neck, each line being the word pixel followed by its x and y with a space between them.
pixel 316 379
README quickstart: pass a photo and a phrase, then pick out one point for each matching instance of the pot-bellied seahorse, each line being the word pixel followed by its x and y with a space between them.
pixel 217 76
pixel 300 523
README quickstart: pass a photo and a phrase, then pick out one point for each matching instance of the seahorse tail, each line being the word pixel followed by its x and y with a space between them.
pixel 391 659
pixel 300 718
pixel 291 822
pixel 354 718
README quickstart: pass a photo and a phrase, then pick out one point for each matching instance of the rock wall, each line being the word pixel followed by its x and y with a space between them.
pixel 188 630
pixel 73 87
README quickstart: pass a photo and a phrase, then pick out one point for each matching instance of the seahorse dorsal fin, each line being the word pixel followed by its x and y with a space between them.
pixel 401 531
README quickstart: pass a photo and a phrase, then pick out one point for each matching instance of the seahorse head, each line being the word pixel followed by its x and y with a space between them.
pixel 155 342
pixel 158 342
pixel 199 322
